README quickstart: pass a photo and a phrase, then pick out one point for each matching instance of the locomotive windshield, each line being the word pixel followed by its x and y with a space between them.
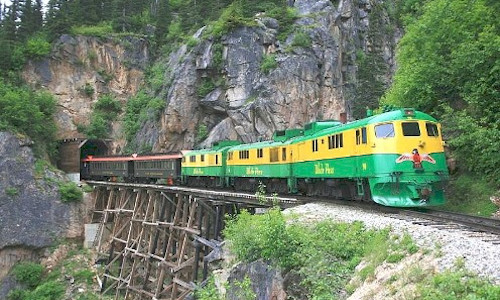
pixel 411 129
pixel 384 130
pixel 432 129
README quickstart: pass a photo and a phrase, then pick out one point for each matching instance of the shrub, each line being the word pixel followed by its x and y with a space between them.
pixel 268 63
pixel 301 39
pixel 37 47
pixel 207 85
pixel 12 192
pixel 51 290
pixel 108 105
pixel 88 89
pixel 70 192
pixel 101 30
pixel 31 113
pixel 28 273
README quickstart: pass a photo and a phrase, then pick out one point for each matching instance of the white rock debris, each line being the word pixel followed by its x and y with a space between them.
pixel 481 257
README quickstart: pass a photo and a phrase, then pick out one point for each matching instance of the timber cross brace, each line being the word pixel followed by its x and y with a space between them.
pixel 153 243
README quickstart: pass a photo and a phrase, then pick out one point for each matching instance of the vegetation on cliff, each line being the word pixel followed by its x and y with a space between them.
pixel 29 112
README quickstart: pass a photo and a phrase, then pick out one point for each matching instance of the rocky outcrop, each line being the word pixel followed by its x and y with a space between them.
pixel 311 80
pixel 32 217
pixel 81 69
pixel 335 59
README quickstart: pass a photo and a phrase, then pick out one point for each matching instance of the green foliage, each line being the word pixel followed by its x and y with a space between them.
pixel 85 276
pixel 470 194
pixel 448 65
pixel 459 284
pixel 301 39
pixel 108 105
pixel 99 30
pixel 37 47
pixel 140 108
pixel 217 58
pixel 70 192
pixel 106 110
pixel 243 289
pixel 207 85
pixel 232 17
pixel 88 89
pixel 286 17
pixel 155 76
pixel 208 292
pixel 261 236
pixel 28 273
pixel 11 191
pixel 50 290
pixel 201 133
pixel 107 77
pixel 31 113
pixel 268 63
pixel 192 42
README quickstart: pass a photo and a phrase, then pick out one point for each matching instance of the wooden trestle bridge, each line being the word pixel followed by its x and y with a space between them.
pixel 156 242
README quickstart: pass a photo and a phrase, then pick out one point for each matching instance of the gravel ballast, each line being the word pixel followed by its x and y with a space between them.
pixel 479 256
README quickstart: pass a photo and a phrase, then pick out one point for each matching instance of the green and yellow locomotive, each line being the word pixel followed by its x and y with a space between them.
pixel 395 159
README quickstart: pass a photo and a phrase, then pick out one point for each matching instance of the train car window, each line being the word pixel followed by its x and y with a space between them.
pixel 202 157
pixel 364 138
pixel 273 155
pixel 341 140
pixel 183 159
pixel 384 130
pixel 192 158
pixel 358 137
pixel 315 145
pixel 216 159
pixel 260 153
pixel 229 155
pixel 283 154
pixel 432 129
pixel 411 129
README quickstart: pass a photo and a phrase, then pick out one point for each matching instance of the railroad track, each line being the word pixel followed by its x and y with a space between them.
pixel 486 228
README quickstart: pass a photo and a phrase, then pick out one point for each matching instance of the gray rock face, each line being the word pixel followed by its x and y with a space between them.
pixel 315 81
pixel 266 282
pixel 32 216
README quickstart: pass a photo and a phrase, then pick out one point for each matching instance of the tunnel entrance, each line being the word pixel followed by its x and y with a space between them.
pixel 71 152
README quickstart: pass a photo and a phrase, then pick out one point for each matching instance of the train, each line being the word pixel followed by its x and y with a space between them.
pixel 394 159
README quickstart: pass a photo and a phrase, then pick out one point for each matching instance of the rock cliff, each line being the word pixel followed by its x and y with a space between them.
pixel 32 216
pixel 337 58
pixel 81 69
pixel 312 80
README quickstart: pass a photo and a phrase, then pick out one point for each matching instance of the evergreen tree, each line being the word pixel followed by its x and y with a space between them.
pixel 163 18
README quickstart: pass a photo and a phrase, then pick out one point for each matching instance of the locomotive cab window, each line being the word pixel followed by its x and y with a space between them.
pixel 283 154
pixel 384 130
pixel 432 129
pixel 410 129
pixel 202 157
pixel 192 158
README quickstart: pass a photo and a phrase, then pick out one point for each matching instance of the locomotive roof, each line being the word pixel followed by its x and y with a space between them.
pixel 326 127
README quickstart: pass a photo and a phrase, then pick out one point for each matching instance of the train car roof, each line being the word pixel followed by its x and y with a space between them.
pixel 132 157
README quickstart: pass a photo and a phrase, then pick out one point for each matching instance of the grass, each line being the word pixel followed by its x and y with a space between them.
pixel 469 194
